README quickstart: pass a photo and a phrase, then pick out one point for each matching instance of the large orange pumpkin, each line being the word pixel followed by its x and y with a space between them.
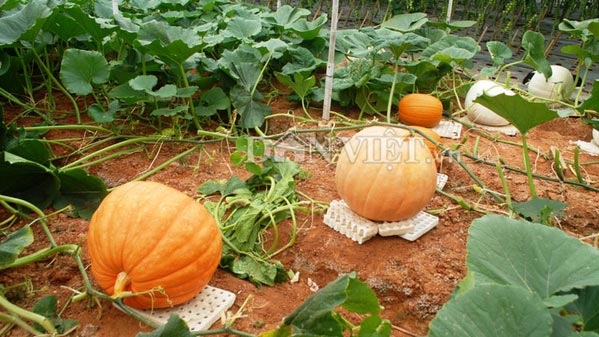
pixel 146 237
pixel 420 110
pixel 386 174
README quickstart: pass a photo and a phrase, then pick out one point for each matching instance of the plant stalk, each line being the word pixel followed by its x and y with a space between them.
pixel 528 167
pixel 28 315
pixel 42 254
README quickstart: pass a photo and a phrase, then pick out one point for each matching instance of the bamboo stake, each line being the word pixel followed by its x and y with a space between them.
pixel 328 86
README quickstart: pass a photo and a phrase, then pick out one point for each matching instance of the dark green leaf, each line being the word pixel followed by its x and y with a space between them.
pixel 82 191
pixel 406 22
pixel 586 306
pixel 27 180
pixel 14 244
pixel 186 92
pixel 452 48
pixel 309 30
pixel 172 44
pixel 169 112
pixel 126 93
pixel 374 326
pixel 299 84
pixel 539 209
pixel 534 44
pixel 25 23
pixel 97 113
pixel 80 68
pixel 453 25
pixel 224 187
pixel 30 149
pixel 47 307
pixel 315 315
pixel 212 101
pixel 302 62
pixel 251 112
pixel 242 28
pixel 71 21
pixel 144 82
pixel 499 52
pixel 287 15
pixel 591 103
pixel 174 327
pixel 275 48
pixel 256 271
pixel 352 42
pixel 523 114
pixel 508 311
pixel 360 298
pixel 541 259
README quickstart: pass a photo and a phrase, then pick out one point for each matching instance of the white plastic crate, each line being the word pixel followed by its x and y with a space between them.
pixel 449 129
pixel 200 313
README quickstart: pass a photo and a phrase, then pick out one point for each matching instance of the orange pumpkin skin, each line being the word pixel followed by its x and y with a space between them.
pixel 432 146
pixel 386 174
pixel 156 239
pixel 420 110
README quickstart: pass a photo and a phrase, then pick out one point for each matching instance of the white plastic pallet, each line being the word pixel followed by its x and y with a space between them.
pixel 200 313
pixel 449 129
pixel 342 219
pixel 422 222
pixel 441 180
pixel 589 147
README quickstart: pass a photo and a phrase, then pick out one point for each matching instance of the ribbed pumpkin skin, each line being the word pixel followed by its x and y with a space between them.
pixel 420 110
pixel 160 237
pixel 384 174
pixel 435 150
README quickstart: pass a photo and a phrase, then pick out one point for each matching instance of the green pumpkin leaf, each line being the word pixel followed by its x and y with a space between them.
pixel 47 307
pixel 172 44
pixel 499 52
pixel 82 191
pixel 82 68
pixel 586 306
pixel 212 101
pixel 27 180
pixel 543 260
pixel 523 114
pixel 14 245
pixel 316 316
pixel 174 327
pixel 25 23
pixel 534 44
pixel 406 22
pixel 242 28
pixel 509 311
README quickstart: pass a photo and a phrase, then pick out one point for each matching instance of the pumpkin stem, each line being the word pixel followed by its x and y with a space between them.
pixel 122 282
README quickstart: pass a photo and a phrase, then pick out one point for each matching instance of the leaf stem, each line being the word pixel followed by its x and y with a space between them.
pixel 577 165
pixel 76 163
pixel 166 163
pixel 28 315
pixel 58 84
pixel 42 254
pixel 42 217
pixel 528 167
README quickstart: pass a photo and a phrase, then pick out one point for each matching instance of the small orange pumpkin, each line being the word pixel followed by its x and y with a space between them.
pixel 146 237
pixel 420 110
pixel 386 174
